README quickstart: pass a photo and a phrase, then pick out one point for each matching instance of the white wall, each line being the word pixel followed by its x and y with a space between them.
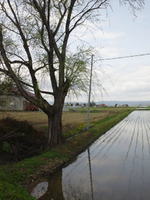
pixel 9 102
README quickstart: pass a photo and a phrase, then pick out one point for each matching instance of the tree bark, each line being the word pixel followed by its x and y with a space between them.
pixel 55 128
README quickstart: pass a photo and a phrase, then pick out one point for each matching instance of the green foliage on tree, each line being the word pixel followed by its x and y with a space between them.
pixel 6 85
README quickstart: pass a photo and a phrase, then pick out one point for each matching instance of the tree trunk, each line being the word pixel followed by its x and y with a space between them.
pixel 55 128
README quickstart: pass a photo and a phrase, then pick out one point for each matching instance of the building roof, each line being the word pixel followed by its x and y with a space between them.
pixel 14 91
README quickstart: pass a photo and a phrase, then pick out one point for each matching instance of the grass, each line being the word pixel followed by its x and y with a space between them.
pixel 16 178
pixel 14 192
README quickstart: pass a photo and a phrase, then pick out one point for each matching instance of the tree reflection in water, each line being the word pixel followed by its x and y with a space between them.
pixel 69 192
pixel 54 188
pixel 59 187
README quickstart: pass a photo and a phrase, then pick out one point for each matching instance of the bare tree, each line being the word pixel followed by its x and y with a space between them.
pixel 34 36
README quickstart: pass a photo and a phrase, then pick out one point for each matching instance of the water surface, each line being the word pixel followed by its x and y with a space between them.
pixel 115 167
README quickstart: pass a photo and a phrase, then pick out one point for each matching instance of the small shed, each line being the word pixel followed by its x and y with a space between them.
pixel 14 101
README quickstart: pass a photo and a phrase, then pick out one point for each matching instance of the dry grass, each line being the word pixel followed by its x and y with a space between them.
pixel 70 119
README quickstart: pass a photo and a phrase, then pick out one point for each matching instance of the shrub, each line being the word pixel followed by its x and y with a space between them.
pixel 20 139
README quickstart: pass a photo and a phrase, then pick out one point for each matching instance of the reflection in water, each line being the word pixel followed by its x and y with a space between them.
pixel 90 172
pixel 54 191
pixel 40 190
pixel 116 167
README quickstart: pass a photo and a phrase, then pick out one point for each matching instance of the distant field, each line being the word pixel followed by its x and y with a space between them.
pixel 70 119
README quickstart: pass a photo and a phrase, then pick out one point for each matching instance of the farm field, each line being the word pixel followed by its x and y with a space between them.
pixel 25 171
pixel 71 119
pixel 119 161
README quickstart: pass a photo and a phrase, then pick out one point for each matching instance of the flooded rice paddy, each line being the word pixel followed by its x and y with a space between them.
pixel 115 167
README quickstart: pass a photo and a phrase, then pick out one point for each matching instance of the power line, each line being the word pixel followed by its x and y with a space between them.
pixel 123 57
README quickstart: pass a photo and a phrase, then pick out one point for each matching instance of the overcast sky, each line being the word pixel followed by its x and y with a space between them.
pixel 120 33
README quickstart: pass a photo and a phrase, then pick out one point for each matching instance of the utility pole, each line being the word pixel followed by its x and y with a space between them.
pixel 89 95
pixel 88 125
